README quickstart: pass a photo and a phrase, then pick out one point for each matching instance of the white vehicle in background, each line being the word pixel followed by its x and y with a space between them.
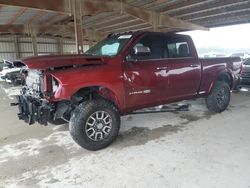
pixel 242 55
pixel 11 70
pixel 10 67
pixel 212 55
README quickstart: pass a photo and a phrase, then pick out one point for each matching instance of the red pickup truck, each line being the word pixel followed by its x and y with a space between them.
pixel 122 73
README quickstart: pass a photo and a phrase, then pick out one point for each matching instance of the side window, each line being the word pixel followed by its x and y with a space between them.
pixel 149 47
pixel 178 49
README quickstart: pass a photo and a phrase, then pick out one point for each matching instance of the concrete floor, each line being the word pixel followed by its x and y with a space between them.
pixel 173 149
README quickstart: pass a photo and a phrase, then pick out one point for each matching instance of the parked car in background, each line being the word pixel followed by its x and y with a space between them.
pixel 11 71
pixel 213 54
pixel 242 55
pixel 15 78
pixel 245 75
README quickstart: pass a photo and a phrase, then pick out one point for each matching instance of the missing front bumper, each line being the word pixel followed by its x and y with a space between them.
pixel 32 110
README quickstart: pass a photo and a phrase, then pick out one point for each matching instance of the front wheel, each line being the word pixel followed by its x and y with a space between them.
pixel 95 124
pixel 218 100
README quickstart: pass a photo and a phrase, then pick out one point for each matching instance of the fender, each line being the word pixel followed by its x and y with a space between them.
pixel 65 92
pixel 226 72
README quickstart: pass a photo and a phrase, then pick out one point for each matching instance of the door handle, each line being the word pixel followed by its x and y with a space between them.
pixel 162 68
pixel 194 65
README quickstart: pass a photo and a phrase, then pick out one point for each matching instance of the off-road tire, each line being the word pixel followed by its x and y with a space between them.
pixel 219 99
pixel 78 123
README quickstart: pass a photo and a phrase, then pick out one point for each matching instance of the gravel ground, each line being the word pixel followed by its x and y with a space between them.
pixel 172 149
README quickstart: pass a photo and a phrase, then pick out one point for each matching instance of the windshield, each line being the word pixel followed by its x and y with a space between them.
pixel 110 46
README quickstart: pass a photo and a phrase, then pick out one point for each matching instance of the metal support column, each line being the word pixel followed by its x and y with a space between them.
pixel 34 44
pixel 60 46
pixel 17 50
pixel 77 12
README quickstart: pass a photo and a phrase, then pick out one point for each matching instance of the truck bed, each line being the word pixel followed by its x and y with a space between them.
pixel 214 66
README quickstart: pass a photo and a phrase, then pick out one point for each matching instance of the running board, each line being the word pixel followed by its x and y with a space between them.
pixel 184 107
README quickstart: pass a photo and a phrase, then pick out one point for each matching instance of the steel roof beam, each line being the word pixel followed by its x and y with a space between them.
pixel 154 17
pixel 138 27
pixel 38 29
pixel 109 26
pixel 125 27
pixel 109 22
pixel 100 20
pixel 158 3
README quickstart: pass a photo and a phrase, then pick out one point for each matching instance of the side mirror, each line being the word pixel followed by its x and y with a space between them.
pixel 138 53
pixel 141 50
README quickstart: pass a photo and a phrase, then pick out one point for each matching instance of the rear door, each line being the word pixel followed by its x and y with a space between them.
pixel 185 73
pixel 146 75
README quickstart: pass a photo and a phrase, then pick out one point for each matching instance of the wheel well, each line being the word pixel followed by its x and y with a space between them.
pixel 95 92
pixel 226 78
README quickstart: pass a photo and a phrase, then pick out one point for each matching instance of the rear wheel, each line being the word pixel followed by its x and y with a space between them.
pixel 95 124
pixel 218 100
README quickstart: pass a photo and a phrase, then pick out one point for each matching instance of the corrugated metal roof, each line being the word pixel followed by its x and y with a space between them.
pixel 209 13
pixel 6 13
pixel 26 16
pixel 45 17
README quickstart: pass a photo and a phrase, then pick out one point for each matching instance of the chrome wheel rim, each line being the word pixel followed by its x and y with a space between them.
pixel 98 126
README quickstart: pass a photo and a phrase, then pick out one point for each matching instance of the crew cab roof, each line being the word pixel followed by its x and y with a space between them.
pixel 136 33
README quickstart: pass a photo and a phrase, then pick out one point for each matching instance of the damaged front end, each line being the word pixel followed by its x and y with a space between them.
pixel 34 104
pixel 32 110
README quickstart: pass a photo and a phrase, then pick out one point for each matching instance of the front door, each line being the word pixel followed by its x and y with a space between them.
pixel 146 74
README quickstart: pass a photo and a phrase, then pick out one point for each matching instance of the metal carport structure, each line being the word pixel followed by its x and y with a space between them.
pixel 90 20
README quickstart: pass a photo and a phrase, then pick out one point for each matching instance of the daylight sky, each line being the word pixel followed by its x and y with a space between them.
pixel 237 36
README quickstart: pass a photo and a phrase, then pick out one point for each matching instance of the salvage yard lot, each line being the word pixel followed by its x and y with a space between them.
pixel 172 149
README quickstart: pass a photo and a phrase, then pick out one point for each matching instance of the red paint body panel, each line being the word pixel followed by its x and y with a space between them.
pixel 146 83
pixel 107 75
pixel 214 67
pixel 137 84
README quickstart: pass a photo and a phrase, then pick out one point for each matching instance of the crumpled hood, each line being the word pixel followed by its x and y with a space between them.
pixel 57 61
